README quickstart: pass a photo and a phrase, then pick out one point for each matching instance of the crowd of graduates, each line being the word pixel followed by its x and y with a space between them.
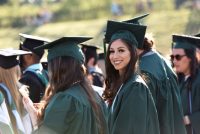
pixel 133 89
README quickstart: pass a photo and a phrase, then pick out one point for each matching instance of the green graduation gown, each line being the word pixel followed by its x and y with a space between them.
pixel 162 83
pixel 133 110
pixel 69 112
pixel 192 110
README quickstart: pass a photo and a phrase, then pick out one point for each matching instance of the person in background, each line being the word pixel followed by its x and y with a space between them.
pixel 131 106
pixel 70 105
pixel 198 48
pixel 101 63
pixel 186 63
pixel 33 75
pixel 9 87
pixel 91 59
pixel 162 82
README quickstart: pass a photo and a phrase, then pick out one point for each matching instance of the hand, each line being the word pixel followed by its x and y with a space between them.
pixel 24 91
pixel 186 120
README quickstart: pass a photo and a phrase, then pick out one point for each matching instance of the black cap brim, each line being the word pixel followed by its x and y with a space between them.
pixel 8 57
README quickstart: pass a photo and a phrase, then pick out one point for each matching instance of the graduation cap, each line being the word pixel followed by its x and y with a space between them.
pixel 29 42
pixel 197 35
pixel 135 20
pixel 8 57
pixel 90 51
pixel 65 46
pixel 132 33
pixel 87 47
pixel 185 41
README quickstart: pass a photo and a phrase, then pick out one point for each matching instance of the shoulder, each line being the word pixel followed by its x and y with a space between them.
pixel 72 96
pixel 29 78
pixel 28 75
pixel 137 79
pixel 156 65
pixel 136 82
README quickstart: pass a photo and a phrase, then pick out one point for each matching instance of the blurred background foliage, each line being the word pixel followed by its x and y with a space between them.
pixel 56 18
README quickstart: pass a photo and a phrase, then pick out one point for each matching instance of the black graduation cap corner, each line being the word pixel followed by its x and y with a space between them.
pixel 8 57
pixel 197 35
pixel 29 42
pixel 136 20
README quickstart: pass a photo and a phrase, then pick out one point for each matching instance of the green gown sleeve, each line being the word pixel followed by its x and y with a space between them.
pixel 69 113
pixel 134 111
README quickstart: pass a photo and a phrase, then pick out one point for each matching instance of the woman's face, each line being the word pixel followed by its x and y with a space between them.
pixel 181 61
pixel 119 55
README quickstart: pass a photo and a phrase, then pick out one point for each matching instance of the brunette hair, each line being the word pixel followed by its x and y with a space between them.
pixel 112 81
pixel 61 77
pixel 191 53
pixel 148 42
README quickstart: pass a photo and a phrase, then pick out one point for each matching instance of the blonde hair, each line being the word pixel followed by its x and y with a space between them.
pixel 10 77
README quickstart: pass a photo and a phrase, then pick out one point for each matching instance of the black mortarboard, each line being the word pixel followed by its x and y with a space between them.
pixel 197 35
pixel 136 20
pixel 185 41
pixel 89 51
pixel 87 47
pixel 29 42
pixel 8 57
pixel 132 33
pixel 65 46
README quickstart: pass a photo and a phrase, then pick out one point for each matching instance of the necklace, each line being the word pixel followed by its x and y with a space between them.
pixel 76 82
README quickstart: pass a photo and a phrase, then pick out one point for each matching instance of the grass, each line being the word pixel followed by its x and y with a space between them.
pixel 162 24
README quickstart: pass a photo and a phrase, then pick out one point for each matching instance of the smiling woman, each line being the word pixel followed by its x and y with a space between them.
pixel 126 93
pixel 119 55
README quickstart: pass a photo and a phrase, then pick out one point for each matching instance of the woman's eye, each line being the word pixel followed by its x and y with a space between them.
pixel 111 51
pixel 121 50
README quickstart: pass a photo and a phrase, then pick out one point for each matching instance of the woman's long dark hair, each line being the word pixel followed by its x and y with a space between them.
pixel 113 80
pixel 191 53
pixel 64 72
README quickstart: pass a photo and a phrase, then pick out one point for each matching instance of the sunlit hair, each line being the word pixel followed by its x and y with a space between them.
pixel 10 78
pixel 64 72
pixel 148 42
pixel 113 79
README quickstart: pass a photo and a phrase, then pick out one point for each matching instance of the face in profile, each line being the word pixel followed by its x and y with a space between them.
pixel 181 61
pixel 119 55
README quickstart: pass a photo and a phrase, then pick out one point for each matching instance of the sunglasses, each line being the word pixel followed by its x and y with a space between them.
pixel 177 57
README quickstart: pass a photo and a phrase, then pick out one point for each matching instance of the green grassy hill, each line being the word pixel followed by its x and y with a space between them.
pixel 163 21
pixel 162 25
